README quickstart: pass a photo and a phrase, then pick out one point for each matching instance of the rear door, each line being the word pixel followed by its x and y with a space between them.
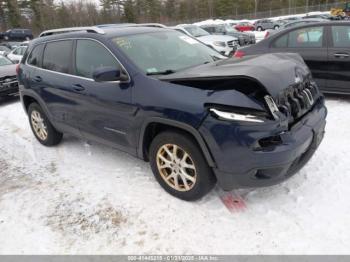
pixel 105 106
pixel 338 76
pixel 53 81
pixel 311 43
pixel 268 24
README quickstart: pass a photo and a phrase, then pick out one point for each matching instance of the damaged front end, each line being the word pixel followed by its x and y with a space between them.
pixel 266 117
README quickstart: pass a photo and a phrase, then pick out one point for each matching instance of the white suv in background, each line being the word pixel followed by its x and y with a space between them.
pixel 17 54
pixel 224 44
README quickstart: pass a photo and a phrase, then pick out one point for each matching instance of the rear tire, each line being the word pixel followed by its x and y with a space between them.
pixel 42 128
pixel 179 166
pixel 259 28
pixel 276 27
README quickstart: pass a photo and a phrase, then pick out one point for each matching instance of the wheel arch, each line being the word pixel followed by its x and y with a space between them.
pixel 28 97
pixel 154 126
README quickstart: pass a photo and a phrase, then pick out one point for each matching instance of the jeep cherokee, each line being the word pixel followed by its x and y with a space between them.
pixel 196 116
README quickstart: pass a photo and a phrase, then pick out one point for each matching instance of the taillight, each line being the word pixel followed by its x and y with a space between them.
pixel 239 54
pixel 17 69
pixel 267 34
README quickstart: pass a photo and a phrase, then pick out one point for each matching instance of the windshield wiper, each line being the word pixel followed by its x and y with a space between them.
pixel 165 72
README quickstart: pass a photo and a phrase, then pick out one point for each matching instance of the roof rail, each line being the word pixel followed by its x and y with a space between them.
pixel 149 25
pixel 91 29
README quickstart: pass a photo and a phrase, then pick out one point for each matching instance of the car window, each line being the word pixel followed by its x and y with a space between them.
pixel 309 37
pixel 209 29
pixel 57 56
pixel 4 48
pixel 22 50
pixel 281 42
pixel 4 61
pixel 341 36
pixel 91 55
pixel 220 29
pixel 16 51
pixel 196 31
pixel 34 58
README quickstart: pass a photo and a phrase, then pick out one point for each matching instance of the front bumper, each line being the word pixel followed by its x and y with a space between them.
pixel 226 51
pixel 241 159
pixel 8 87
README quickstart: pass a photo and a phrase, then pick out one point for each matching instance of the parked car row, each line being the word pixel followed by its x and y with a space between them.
pixel 198 117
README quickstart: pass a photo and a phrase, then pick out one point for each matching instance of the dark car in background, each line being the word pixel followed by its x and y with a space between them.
pixel 197 116
pixel 225 29
pixel 325 48
pixel 322 16
pixel 17 34
pixel 296 23
pixel 8 78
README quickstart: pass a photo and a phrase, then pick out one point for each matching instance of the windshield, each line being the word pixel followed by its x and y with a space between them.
pixel 4 61
pixel 196 31
pixel 4 49
pixel 165 52
pixel 229 28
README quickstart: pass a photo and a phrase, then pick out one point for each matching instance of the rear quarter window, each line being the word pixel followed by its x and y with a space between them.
pixel 281 42
pixel 57 56
pixel 35 56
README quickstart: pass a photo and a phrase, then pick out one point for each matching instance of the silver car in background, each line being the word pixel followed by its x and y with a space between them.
pixel 224 44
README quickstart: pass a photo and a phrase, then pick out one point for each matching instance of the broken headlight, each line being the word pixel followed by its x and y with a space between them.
pixel 233 116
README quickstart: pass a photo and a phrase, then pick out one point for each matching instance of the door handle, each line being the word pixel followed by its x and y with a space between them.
pixel 38 79
pixel 341 55
pixel 78 87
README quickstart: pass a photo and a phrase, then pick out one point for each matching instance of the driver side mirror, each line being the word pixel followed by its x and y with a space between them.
pixel 109 74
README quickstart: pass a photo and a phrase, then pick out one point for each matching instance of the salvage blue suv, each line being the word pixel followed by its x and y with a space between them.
pixel 196 116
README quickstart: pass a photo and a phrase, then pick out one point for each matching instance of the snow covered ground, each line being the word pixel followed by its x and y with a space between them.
pixel 86 198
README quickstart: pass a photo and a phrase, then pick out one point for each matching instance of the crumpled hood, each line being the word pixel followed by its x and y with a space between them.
pixel 274 71
pixel 7 70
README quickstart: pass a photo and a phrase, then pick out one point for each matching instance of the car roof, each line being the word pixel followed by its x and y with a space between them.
pixel 320 22
pixel 108 32
pixel 289 29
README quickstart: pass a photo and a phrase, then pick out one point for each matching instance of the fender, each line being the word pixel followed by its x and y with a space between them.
pixel 31 93
pixel 179 125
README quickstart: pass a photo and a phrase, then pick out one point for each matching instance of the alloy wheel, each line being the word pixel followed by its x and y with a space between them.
pixel 38 124
pixel 176 167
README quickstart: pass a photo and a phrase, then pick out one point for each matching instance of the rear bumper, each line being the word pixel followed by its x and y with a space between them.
pixel 243 162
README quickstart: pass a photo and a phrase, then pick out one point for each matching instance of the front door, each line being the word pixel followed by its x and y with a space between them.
pixel 338 77
pixel 105 107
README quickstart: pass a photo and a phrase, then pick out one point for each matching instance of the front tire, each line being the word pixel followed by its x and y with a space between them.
pixel 42 128
pixel 276 27
pixel 259 29
pixel 179 166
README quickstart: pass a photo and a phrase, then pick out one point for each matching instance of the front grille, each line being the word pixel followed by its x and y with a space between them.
pixel 231 43
pixel 297 100
pixel 8 82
